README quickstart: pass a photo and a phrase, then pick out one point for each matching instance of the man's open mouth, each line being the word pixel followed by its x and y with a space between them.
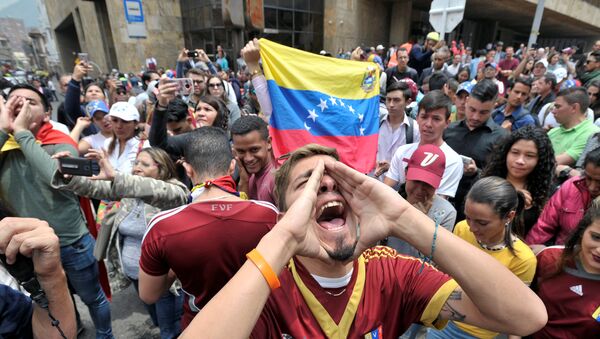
pixel 332 216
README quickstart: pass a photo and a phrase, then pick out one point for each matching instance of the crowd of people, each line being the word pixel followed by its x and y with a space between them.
pixel 220 239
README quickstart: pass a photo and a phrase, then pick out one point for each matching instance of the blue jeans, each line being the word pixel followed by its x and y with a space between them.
pixel 166 312
pixel 82 271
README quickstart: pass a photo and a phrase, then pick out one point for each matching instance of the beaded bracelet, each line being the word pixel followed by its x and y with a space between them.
pixel 429 259
pixel 264 268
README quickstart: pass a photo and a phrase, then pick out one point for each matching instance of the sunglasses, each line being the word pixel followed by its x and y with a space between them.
pixel 215 85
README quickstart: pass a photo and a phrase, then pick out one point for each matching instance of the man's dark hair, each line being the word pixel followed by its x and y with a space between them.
pixel 549 77
pixel 596 55
pixel 576 95
pixel 146 77
pixel 485 90
pixel 452 85
pixel 401 49
pixel 434 100
pixel 437 80
pixel 593 158
pixel 177 110
pixel 208 151
pixel 247 124
pixel 402 87
pixel 43 98
pixel 521 80
pixel 196 71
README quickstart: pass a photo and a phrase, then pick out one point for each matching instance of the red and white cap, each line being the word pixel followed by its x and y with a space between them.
pixel 427 164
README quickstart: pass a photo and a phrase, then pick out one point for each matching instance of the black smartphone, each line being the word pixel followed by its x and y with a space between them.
pixel 192 54
pixel 79 166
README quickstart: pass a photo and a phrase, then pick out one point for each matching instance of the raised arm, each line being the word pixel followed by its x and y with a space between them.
pixel 158 131
pixel 251 55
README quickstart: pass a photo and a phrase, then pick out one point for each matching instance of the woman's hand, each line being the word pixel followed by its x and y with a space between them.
pixel 83 123
pixel 167 90
pixel 80 70
pixel 251 55
pixel 107 171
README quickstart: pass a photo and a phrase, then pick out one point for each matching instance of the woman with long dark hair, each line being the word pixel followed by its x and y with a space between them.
pixel 526 159
pixel 492 209
pixel 568 282
pixel 215 86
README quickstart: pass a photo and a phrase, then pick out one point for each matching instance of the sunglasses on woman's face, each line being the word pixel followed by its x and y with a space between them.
pixel 215 85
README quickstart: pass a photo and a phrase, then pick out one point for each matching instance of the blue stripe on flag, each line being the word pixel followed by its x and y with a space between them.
pixel 321 114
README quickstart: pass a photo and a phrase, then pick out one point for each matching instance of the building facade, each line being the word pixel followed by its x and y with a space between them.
pixel 101 29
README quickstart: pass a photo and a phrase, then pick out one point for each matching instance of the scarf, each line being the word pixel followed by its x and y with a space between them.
pixel 589 76
pixel 225 183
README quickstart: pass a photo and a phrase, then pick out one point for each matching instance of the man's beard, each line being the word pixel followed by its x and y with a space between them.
pixel 342 251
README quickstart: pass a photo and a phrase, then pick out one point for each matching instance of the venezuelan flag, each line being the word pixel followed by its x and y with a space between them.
pixel 318 99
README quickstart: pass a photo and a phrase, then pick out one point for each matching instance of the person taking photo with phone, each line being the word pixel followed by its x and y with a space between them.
pixel 27 142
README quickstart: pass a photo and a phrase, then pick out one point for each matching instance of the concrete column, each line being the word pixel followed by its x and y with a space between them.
pixel 400 22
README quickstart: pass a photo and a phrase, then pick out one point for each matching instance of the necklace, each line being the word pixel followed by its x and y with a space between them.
pixel 336 294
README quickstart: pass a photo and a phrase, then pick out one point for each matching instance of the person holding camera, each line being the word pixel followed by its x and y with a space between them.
pixel 19 317
pixel 27 142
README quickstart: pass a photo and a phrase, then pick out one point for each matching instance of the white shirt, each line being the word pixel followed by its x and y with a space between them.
pixel 452 174
pixel 389 140
pixel 96 141
pixel 60 127
pixel 123 162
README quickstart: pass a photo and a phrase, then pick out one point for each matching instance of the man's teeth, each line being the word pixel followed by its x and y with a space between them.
pixel 329 204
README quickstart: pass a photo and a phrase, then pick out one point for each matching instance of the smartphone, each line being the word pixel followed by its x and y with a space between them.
pixel 192 54
pixel 186 86
pixel 79 166
pixel 83 57
pixel 466 160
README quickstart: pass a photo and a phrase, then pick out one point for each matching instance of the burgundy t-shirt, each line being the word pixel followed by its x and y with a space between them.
pixel 571 297
pixel 205 244
pixel 395 295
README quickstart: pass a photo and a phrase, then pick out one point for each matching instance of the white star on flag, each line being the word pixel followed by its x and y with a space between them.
pixel 312 114
pixel 351 109
pixel 360 117
pixel 341 103
pixel 306 126
pixel 333 101
pixel 323 105
pixel 362 131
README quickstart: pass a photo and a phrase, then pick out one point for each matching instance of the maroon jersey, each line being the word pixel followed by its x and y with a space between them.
pixel 395 295
pixel 571 298
pixel 205 244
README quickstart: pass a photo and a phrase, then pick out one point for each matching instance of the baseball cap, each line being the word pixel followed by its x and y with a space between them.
pixel 380 47
pixel 414 89
pixel 427 164
pixel 560 73
pixel 435 36
pixel 568 50
pixel 466 86
pixel 491 64
pixel 543 61
pixel 95 106
pixel 323 52
pixel 124 111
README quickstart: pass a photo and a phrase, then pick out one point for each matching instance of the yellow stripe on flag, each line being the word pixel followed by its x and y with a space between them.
pixel 295 69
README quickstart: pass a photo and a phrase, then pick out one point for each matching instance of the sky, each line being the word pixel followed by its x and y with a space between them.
pixel 21 9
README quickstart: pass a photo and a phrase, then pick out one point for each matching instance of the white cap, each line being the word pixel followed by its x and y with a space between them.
pixel 560 74
pixel 323 52
pixel 124 111
pixel 543 61
pixel 380 47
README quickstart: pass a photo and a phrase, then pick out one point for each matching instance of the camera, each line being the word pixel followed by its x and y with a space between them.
pixel 83 57
pixel 192 54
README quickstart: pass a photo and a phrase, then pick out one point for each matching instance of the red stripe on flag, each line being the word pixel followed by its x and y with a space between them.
pixel 358 152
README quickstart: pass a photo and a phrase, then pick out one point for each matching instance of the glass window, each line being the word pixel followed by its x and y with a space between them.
pixel 317 23
pixel 270 3
pixel 316 6
pixel 302 21
pixel 270 18
pixel 282 38
pixel 285 19
pixel 286 3
pixel 301 5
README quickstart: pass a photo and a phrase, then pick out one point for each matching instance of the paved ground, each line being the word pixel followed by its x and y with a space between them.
pixel 129 317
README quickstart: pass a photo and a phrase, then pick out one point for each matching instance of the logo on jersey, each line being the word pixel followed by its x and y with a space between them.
pixel 577 289
pixel 375 333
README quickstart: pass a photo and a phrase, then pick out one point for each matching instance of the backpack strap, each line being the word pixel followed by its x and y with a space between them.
pixel 408 129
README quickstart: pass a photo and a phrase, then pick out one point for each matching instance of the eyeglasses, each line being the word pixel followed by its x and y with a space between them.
pixel 215 85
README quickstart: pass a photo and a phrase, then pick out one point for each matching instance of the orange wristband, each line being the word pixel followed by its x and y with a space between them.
pixel 266 270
